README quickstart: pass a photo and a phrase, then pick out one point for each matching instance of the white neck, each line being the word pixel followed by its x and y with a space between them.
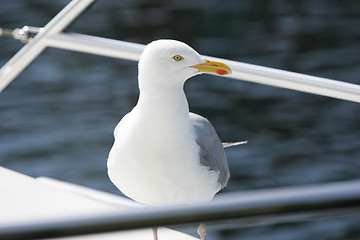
pixel 164 103
pixel 163 107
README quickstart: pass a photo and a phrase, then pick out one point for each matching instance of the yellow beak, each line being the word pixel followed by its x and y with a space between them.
pixel 213 67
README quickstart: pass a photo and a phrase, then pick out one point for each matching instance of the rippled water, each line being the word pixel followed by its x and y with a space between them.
pixel 57 117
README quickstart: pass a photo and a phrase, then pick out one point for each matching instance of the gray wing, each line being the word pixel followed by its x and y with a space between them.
pixel 212 153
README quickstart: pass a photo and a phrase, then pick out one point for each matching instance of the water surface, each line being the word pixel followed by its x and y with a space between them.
pixel 57 117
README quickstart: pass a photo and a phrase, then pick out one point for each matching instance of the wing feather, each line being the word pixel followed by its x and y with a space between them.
pixel 212 153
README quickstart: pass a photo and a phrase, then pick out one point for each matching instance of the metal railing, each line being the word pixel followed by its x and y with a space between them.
pixel 251 207
pixel 38 44
pixel 51 36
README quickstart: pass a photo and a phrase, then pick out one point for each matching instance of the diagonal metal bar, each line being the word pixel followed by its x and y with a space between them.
pixel 241 71
pixel 96 45
pixel 31 50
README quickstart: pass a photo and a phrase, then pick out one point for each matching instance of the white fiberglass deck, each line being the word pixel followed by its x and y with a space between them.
pixel 25 199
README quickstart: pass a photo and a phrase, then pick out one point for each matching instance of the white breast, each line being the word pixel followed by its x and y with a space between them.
pixel 154 162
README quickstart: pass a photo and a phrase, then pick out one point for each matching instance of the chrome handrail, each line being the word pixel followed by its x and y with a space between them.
pixel 257 206
pixel 38 44
pixel 51 36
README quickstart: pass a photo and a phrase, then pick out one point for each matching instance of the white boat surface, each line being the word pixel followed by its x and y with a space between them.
pixel 25 199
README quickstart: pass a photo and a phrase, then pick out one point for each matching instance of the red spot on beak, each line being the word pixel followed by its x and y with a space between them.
pixel 221 72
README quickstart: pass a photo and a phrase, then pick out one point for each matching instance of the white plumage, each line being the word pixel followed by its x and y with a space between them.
pixel 163 154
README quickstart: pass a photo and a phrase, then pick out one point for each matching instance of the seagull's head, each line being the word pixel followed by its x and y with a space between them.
pixel 171 62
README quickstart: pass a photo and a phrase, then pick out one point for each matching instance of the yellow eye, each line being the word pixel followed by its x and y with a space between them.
pixel 178 58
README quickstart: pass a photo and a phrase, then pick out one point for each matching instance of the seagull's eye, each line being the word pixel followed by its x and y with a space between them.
pixel 178 58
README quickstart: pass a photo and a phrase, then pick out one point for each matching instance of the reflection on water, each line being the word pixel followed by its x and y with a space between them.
pixel 57 118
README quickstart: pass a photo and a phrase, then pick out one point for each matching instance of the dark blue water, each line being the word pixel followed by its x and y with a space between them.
pixel 57 117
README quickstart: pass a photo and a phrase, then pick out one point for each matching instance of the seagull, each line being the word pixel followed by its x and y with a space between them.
pixel 163 154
